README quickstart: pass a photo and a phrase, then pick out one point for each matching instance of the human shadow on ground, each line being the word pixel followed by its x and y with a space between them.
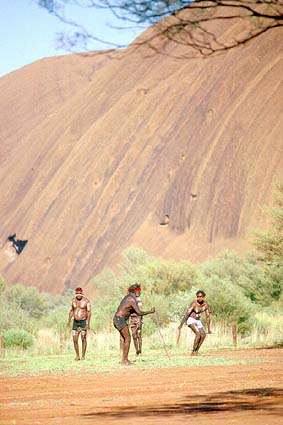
pixel 266 400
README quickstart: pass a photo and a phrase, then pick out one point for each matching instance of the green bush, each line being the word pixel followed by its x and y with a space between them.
pixel 269 243
pixel 103 313
pixel 161 282
pixel 261 284
pixel 228 303
pixel 56 320
pixel 11 317
pixel 27 299
pixel 150 326
pixel 157 275
pixel 17 338
pixel 161 318
pixel 179 304
pixel 171 286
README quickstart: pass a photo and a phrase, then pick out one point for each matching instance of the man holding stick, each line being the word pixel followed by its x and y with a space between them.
pixel 192 318
pixel 127 307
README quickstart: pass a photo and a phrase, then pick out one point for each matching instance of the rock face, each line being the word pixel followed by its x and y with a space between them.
pixel 103 152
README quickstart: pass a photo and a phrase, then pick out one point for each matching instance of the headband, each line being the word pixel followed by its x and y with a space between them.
pixel 137 289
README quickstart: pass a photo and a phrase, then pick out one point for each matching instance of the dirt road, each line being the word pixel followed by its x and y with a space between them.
pixel 246 394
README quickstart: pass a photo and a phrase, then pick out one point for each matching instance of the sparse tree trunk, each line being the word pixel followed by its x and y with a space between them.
pixel 234 334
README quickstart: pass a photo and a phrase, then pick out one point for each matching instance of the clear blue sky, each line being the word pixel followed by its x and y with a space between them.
pixel 28 32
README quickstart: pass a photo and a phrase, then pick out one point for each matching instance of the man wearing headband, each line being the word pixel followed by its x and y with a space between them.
pixel 81 312
pixel 136 322
pixel 127 307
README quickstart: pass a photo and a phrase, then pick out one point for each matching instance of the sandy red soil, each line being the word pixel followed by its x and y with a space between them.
pixel 245 394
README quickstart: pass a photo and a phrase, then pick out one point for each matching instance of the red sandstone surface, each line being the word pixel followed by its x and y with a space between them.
pixel 96 150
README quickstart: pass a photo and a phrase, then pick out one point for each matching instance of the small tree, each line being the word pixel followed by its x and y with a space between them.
pixel 27 299
pixel 270 243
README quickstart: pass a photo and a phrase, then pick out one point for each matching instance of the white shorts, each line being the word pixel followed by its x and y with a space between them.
pixel 192 321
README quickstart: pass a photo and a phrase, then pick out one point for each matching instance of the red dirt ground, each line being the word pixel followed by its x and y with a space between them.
pixel 245 394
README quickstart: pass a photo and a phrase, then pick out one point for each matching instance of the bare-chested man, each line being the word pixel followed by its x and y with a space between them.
pixel 127 307
pixel 81 312
pixel 192 318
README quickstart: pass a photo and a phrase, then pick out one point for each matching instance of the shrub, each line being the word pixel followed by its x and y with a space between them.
pixel 228 303
pixel 179 304
pixel 56 320
pixel 11 317
pixel 161 318
pixel 17 338
pixel 103 313
pixel 261 284
pixel 27 299
pixel 236 287
pixel 157 275
pixel 269 243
